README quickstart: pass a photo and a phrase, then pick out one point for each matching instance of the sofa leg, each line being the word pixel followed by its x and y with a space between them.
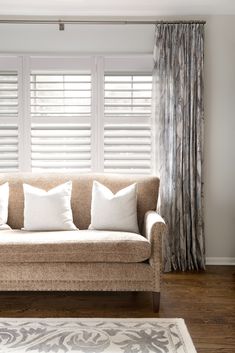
pixel 156 302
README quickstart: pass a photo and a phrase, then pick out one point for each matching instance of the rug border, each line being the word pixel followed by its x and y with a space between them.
pixel 183 327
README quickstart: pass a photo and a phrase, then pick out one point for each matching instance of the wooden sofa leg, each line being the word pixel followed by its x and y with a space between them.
pixel 156 302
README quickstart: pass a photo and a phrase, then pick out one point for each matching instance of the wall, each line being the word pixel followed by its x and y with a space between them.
pixel 220 138
pixel 219 107
pixel 77 38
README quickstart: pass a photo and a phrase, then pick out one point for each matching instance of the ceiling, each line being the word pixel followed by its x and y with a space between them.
pixel 116 7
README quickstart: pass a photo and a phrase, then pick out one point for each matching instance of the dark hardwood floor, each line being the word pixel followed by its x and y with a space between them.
pixel 205 300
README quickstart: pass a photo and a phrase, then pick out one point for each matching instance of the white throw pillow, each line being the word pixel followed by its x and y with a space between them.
pixel 48 210
pixel 114 212
pixel 4 196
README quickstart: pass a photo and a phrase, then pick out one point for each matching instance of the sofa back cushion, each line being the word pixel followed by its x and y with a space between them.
pixel 147 193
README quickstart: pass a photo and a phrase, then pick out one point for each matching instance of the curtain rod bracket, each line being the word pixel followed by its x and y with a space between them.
pixel 61 26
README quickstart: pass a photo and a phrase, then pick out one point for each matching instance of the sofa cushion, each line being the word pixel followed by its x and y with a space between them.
pixel 4 196
pixel 53 206
pixel 76 246
pixel 116 212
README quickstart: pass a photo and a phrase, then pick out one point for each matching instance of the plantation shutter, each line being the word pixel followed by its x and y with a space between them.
pixel 61 122
pixel 8 122
pixel 127 127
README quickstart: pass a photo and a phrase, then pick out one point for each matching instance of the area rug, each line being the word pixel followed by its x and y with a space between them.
pixel 94 336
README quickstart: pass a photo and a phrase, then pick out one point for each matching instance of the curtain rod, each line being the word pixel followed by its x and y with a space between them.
pixel 62 23
pixel 108 22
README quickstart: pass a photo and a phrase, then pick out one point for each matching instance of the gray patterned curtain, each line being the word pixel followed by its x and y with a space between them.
pixel 179 114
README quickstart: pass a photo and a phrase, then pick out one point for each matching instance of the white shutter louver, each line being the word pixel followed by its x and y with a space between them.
pixel 60 122
pixel 8 121
pixel 60 146
pixel 127 128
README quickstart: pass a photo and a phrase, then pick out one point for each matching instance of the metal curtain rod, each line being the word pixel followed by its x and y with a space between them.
pixel 91 22
pixel 62 23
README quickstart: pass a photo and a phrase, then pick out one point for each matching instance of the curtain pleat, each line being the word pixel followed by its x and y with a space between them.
pixel 179 115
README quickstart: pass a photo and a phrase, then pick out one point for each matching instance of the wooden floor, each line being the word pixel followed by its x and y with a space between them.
pixel 205 300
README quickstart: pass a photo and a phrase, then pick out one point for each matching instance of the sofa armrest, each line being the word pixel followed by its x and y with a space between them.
pixel 154 230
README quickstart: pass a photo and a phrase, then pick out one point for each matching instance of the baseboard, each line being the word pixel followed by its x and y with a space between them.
pixel 220 261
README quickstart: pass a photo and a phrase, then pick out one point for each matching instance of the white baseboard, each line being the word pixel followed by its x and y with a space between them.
pixel 220 261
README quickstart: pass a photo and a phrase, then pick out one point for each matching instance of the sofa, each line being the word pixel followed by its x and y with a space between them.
pixel 83 260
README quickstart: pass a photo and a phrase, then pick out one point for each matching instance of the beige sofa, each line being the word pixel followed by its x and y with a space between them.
pixel 83 260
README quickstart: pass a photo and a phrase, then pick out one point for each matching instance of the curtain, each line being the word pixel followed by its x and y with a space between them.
pixel 179 114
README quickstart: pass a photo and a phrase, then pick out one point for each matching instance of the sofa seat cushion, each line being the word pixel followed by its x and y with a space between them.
pixel 73 246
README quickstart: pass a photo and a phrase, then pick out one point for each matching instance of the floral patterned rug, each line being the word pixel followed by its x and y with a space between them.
pixel 94 336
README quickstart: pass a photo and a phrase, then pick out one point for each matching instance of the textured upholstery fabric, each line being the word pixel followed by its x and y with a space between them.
pixel 90 276
pixel 75 271
pixel 154 230
pixel 76 276
pixel 63 285
pixel 76 246
pixel 147 193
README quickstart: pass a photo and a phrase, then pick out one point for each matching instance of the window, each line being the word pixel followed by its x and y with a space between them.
pixel 127 127
pixel 76 114
pixel 62 138
pixel 8 121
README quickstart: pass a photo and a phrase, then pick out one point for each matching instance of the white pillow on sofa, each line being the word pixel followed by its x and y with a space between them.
pixel 4 197
pixel 114 212
pixel 48 210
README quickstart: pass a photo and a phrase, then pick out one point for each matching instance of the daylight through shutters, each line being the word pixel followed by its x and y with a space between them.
pixel 127 128
pixel 86 113
pixel 60 122
pixel 8 121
